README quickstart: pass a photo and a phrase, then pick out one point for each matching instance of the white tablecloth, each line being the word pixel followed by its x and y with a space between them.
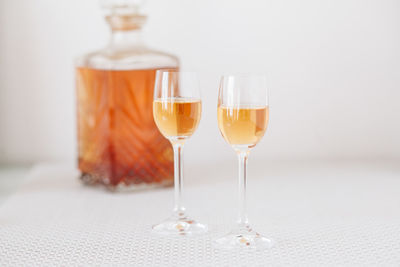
pixel 317 214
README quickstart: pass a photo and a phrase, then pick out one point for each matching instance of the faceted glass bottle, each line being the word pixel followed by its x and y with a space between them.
pixel 119 145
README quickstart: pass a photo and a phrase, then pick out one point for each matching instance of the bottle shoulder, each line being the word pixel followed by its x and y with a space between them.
pixel 127 58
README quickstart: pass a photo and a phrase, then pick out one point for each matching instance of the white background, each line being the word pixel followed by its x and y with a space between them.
pixel 333 69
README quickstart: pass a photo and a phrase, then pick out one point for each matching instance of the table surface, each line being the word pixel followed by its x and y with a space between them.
pixel 317 213
pixel 11 177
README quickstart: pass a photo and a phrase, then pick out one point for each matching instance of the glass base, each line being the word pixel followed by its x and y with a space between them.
pixel 243 237
pixel 179 225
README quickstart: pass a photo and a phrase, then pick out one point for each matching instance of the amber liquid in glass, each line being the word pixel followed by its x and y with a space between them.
pixel 118 141
pixel 243 125
pixel 177 117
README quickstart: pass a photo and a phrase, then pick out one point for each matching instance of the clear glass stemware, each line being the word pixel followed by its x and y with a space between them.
pixel 243 114
pixel 177 112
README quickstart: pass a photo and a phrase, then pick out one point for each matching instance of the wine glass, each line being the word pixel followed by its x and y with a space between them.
pixel 177 112
pixel 243 114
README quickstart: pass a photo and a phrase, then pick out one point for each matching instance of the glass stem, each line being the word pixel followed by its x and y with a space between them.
pixel 179 209
pixel 243 157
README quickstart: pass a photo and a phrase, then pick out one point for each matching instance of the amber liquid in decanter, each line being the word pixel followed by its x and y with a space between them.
pixel 118 139
pixel 119 145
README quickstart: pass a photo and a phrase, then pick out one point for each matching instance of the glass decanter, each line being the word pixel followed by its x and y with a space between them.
pixel 119 145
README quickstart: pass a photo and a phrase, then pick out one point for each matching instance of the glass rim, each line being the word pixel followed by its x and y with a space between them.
pixel 176 71
pixel 244 75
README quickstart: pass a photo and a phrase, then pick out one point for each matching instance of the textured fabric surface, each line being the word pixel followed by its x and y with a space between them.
pixel 328 216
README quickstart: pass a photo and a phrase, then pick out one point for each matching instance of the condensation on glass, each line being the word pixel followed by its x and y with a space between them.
pixel 119 145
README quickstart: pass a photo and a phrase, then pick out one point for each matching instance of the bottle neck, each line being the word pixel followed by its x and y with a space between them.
pixel 129 38
pixel 126 29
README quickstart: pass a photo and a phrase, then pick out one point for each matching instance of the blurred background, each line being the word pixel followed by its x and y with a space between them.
pixel 333 71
